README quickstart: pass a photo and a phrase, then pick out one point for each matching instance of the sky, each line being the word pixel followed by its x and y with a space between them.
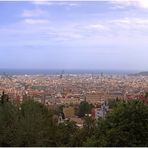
pixel 110 35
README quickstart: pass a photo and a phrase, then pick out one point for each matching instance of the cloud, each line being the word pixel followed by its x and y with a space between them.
pixel 133 22
pixel 96 26
pixel 77 32
pixel 33 13
pixel 59 3
pixel 36 21
pixel 143 3
pixel 41 2
pixel 135 3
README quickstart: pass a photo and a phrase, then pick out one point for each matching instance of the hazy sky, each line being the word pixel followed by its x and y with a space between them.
pixel 74 35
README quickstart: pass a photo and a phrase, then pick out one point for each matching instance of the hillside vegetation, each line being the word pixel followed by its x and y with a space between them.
pixel 32 124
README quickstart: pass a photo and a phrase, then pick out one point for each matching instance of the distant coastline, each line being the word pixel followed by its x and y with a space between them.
pixel 143 73
pixel 61 71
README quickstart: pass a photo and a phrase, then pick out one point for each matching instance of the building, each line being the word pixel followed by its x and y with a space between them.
pixel 69 112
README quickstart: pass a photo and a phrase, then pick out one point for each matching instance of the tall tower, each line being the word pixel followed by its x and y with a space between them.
pixel 102 77
pixel 61 75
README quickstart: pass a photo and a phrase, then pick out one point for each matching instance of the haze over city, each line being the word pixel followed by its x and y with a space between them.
pixel 74 73
pixel 74 35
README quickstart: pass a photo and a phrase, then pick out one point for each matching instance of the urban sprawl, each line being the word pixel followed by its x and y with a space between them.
pixel 71 89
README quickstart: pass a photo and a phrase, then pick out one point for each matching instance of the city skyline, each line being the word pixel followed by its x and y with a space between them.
pixel 74 35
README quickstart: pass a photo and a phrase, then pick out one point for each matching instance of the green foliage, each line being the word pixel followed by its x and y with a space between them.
pixel 35 125
pixel 59 109
pixel 146 94
pixel 32 124
pixel 90 142
pixel 65 133
pixel 126 125
pixel 86 132
pixel 113 102
pixel 89 126
pixel 4 98
pixel 84 108
pixel 8 123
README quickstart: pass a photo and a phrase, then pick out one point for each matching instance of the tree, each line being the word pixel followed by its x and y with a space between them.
pixel 31 124
pixel 84 108
pixel 4 98
pixel 35 127
pixel 88 130
pixel 126 125
pixel 9 117
pixel 65 133
pixel 113 102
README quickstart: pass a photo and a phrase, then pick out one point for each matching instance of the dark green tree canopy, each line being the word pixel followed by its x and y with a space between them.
pixel 84 108
pixel 32 124
pixel 126 125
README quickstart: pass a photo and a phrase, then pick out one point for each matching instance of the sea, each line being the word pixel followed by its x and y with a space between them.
pixel 62 71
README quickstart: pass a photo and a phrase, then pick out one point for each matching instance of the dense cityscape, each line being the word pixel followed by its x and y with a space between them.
pixel 73 88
